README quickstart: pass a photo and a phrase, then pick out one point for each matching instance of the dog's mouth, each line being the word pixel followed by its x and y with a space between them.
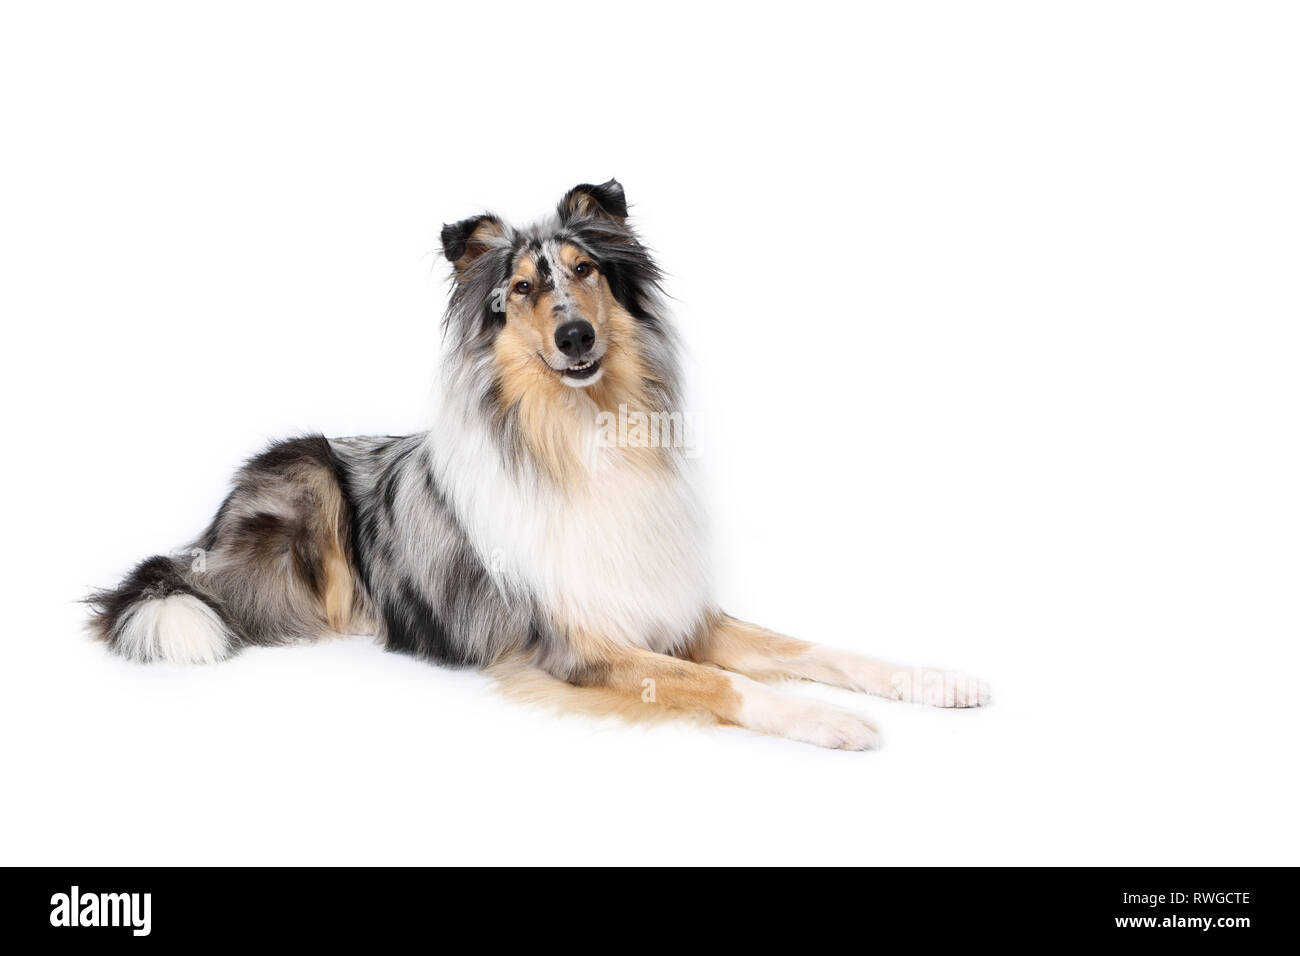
pixel 582 370
pixel 578 374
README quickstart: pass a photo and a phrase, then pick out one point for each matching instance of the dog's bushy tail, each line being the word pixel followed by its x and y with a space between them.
pixel 157 614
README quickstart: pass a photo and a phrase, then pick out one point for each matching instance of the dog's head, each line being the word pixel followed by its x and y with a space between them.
pixel 570 303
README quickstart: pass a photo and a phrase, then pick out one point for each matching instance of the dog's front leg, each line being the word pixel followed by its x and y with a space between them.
pixel 766 655
pixel 663 681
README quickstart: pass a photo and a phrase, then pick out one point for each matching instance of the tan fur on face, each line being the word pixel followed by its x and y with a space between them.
pixel 552 415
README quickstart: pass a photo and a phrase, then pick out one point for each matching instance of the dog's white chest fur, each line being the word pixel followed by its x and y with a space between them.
pixel 622 556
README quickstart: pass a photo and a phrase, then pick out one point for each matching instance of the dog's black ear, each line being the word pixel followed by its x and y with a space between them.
pixel 465 241
pixel 587 200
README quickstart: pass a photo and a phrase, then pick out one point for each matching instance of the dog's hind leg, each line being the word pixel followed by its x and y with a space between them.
pixel 764 655
pixel 276 565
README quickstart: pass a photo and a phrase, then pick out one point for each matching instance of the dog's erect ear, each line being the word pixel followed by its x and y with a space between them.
pixel 465 241
pixel 587 200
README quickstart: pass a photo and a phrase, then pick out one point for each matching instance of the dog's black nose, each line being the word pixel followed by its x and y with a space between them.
pixel 575 339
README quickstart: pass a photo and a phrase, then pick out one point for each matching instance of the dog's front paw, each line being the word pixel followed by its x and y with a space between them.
pixel 835 729
pixel 809 721
pixel 938 688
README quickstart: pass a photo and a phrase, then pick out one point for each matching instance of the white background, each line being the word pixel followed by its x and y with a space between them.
pixel 992 320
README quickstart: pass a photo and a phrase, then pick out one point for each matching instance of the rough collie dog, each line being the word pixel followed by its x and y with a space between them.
pixel 515 535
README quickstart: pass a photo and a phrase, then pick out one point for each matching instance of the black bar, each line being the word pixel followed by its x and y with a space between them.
pixel 916 907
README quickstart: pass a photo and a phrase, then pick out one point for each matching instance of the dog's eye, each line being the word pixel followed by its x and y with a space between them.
pixel 523 287
pixel 582 269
